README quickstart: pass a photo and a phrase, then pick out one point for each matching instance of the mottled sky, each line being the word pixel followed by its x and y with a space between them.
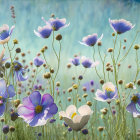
pixel 85 17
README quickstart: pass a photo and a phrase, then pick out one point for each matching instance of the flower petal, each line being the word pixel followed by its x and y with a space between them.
pixel 35 98
pixel 47 100
pixel 2 109
pixel 84 110
pixel 53 109
pixel 11 91
pixel 27 103
pixel 2 88
pixel 36 121
pixel 26 113
pixel 70 110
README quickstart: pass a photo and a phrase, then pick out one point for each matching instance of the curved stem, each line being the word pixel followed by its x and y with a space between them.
pixel 129 47
pixel 95 67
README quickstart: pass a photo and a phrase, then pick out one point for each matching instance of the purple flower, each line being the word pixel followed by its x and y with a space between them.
pixel 75 61
pixel 5 92
pixel 121 26
pixel 36 110
pixel 56 24
pixel 109 93
pixel 19 72
pixel 38 61
pixel 5 33
pixel 44 32
pixel 87 63
pixel 134 106
pixel 91 40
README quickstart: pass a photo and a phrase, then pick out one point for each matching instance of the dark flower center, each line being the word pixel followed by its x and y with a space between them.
pixel 135 98
pixel 119 33
pixel 1 100
pixel 17 66
pixel 38 108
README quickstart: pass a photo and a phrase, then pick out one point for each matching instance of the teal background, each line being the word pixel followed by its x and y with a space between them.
pixel 85 17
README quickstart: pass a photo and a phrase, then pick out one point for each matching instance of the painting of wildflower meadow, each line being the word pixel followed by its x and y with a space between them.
pixel 69 70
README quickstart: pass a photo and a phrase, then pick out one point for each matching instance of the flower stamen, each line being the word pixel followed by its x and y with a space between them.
pixel 38 108
pixel 135 98
pixel 74 114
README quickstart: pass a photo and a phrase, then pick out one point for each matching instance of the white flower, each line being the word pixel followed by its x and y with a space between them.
pixel 74 120
pixel 109 93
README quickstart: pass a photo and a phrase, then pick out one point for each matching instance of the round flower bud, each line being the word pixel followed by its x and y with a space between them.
pixel 44 65
pixel 120 82
pixel 22 54
pixel 57 84
pixel 69 90
pixel 17 102
pixel 5 129
pixel 39 134
pixel 2 119
pixel 99 43
pixel 47 75
pixel 75 86
pixel 92 90
pixel 58 37
pixel 12 128
pixel 138 82
pixel 104 111
pixel 69 129
pixel 51 70
pixel 89 103
pixel 69 99
pixel 18 50
pixel 110 50
pixel 125 40
pixel 136 47
pixel 1 75
pixel 119 64
pixel 60 117
pixel 7 65
pixel 79 99
pixel 42 50
pixel 45 47
pixel 73 78
pixel 14 116
pixel 124 47
pixel 16 58
pixel 52 15
pixel 113 34
pixel 129 85
pixel 107 64
pixel 80 77
pixel 15 41
pixel 108 69
pixel 102 82
pixel 68 65
pixel 85 131
pixel 117 102
pixel 84 89
pixel 85 95
pixel 100 128
pixel 129 66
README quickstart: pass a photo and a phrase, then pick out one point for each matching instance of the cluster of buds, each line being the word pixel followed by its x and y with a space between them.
pixel 109 67
pixel 13 13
